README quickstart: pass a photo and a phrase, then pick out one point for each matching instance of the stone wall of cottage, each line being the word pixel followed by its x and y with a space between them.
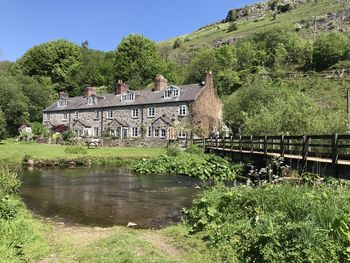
pixel 206 110
pixel 122 115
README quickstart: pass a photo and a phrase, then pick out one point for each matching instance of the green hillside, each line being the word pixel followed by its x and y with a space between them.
pixel 307 18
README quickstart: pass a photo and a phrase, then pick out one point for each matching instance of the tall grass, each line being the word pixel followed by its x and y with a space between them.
pixel 21 236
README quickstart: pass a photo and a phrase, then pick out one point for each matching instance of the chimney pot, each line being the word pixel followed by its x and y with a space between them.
pixel 62 95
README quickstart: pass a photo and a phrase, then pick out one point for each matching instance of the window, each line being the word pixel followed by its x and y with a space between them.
pixel 65 116
pixel 109 114
pixel 135 113
pixel 76 115
pixel 151 112
pixel 125 132
pixel 183 110
pixel 167 93
pixel 62 103
pixel 156 133
pixel 150 130
pixel 128 97
pixel 91 100
pixel 163 133
pixel 47 116
pixel 181 134
pixel 96 132
pixel 97 114
pixel 176 92
pixel 135 131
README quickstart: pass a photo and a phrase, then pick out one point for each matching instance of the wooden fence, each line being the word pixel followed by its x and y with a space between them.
pixel 333 149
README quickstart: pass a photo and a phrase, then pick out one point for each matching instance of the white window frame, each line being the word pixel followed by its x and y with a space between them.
pixel 163 133
pixel 176 92
pixel 181 134
pixel 183 110
pixel 110 114
pixel 46 116
pixel 64 116
pixel 76 115
pixel 149 131
pixel 62 103
pixel 151 112
pixel 135 113
pixel 167 93
pixel 156 133
pixel 128 97
pixel 97 115
pixel 96 131
pixel 134 132
pixel 91 100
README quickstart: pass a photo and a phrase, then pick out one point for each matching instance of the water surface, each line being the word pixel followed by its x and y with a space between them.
pixel 107 197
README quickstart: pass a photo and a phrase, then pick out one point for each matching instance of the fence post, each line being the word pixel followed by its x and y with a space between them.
pixel 240 148
pixel 231 145
pixel 305 149
pixel 223 143
pixel 335 149
pixel 204 140
pixel 251 147
pixel 265 147
pixel 217 142
pixel 282 145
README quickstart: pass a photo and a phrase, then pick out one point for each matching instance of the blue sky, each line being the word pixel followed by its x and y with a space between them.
pixel 25 23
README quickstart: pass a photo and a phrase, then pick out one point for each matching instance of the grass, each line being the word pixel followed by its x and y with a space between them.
pixel 13 152
pixel 211 34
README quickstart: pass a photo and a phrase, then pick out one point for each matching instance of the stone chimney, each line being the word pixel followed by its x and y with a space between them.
pixel 121 87
pixel 62 95
pixel 209 81
pixel 90 91
pixel 160 83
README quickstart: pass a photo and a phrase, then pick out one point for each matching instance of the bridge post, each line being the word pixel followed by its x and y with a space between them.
pixel 240 148
pixel 265 148
pixel 305 150
pixel 282 145
pixel 335 154
pixel 251 147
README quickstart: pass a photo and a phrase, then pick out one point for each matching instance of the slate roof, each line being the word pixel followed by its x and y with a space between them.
pixel 143 97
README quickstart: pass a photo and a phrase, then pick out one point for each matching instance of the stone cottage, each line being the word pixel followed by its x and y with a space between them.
pixel 165 112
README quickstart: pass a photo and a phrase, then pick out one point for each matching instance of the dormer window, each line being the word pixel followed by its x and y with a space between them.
pixel 176 92
pixel 167 93
pixel 128 97
pixel 91 100
pixel 62 103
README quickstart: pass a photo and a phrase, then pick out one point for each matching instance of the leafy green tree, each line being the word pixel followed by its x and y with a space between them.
pixel 138 62
pixel 13 103
pixel 2 125
pixel 330 48
pixel 58 60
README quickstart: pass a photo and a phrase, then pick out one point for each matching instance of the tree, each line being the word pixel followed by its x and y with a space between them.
pixel 330 48
pixel 138 62
pixel 2 125
pixel 57 60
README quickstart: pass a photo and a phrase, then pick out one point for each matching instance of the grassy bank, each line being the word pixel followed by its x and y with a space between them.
pixel 13 152
pixel 22 238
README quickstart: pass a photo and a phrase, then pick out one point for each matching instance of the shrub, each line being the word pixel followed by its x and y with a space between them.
pixel 39 129
pixel 233 27
pixel 204 167
pixel 67 135
pixel 276 223
pixel 194 149
pixel 75 150
pixel 173 151
pixel 177 43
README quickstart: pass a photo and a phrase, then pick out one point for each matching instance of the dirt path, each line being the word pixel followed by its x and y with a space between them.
pixel 68 240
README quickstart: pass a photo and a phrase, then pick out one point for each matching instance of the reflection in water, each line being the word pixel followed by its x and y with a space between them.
pixel 107 197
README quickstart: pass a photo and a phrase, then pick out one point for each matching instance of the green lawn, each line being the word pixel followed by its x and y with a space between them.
pixel 11 151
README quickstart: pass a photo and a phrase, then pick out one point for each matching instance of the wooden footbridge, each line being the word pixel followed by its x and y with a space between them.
pixel 321 152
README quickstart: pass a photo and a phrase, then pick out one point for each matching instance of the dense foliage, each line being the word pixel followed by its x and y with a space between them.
pixel 277 223
pixel 269 107
pixel 137 62
pixel 21 237
pixel 204 167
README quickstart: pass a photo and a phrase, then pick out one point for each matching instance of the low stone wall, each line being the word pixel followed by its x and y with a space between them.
pixel 108 142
